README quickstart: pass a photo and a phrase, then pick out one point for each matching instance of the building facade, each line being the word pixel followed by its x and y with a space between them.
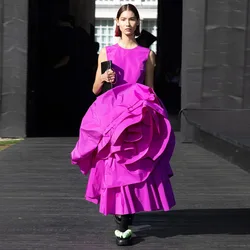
pixel 215 66
pixel 105 19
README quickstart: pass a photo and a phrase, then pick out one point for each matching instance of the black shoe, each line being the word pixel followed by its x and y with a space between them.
pixel 123 239
pixel 123 242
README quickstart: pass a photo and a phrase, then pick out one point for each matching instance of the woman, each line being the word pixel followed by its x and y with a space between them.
pixel 126 140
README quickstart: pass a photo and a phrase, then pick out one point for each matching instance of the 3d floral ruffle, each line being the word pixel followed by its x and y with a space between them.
pixel 124 134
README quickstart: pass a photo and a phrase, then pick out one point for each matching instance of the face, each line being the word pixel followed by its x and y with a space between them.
pixel 127 22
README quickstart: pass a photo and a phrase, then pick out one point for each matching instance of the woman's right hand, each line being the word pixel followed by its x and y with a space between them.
pixel 108 76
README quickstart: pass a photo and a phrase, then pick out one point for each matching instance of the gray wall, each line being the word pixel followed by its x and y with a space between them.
pixel 215 58
pixel 13 62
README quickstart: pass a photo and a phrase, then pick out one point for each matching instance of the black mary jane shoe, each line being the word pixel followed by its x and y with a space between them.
pixel 130 221
pixel 125 239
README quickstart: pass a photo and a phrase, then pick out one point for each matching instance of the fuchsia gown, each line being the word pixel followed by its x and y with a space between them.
pixel 126 142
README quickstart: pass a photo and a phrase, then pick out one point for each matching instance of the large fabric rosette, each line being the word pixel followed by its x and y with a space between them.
pixel 123 136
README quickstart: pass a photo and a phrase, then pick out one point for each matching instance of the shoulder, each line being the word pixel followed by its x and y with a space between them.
pixel 110 47
pixel 151 57
pixel 151 54
pixel 102 55
pixel 107 49
pixel 147 51
pixel 143 49
pixel 103 51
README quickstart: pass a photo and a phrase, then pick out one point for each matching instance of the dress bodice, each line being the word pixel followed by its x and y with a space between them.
pixel 129 64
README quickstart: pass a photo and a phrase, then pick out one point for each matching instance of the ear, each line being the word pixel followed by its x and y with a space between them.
pixel 117 22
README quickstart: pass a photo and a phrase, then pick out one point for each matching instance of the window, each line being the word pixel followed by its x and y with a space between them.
pixel 150 25
pixel 104 32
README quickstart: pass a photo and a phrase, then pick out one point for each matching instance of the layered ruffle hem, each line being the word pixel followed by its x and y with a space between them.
pixel 126 142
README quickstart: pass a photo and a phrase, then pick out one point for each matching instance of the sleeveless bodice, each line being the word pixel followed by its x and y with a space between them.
pixel 129 64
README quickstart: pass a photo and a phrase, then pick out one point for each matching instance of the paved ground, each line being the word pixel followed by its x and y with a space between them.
pixel 41 205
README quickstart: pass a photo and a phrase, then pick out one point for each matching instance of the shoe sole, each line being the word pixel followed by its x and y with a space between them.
pixel 124 242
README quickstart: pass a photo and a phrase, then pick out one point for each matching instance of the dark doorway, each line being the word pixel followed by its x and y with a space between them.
pixel 169 41
pixel 58 97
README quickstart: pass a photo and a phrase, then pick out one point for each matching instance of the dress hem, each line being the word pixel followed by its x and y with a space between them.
pixel 96 202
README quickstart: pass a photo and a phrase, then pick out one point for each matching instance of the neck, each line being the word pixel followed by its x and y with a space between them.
pixel 127 41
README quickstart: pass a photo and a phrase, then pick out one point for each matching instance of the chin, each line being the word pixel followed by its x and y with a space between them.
pixel 129 33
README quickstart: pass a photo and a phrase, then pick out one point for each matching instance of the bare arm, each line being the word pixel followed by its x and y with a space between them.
pixel 97 87
pixel 150 67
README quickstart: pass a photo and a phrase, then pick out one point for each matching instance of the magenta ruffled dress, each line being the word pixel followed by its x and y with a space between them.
pixel 126 142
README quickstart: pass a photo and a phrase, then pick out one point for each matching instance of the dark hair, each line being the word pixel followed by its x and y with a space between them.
pixel 123 8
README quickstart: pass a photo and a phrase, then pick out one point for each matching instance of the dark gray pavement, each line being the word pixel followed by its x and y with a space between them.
pixel 42 205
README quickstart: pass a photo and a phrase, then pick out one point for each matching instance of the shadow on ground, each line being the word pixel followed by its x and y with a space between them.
pixel 192 222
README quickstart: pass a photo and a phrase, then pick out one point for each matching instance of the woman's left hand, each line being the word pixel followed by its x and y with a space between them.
pixel 111 76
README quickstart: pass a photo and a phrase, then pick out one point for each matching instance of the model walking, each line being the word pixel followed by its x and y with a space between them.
pixel 126 140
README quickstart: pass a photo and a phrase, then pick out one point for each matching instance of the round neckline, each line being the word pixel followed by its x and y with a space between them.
pixel 127 48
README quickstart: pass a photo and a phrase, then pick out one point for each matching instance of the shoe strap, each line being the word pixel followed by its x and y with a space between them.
pixel 123 235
